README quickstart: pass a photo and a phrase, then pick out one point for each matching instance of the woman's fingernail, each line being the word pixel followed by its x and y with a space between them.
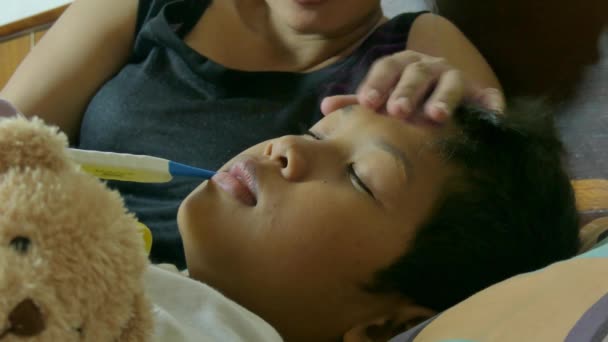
pixel 404 105
pixel 373 96
pixel 493 99
pixel 492 91
pixel 440 110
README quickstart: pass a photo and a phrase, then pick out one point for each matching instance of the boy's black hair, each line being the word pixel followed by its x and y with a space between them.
pixel 510 209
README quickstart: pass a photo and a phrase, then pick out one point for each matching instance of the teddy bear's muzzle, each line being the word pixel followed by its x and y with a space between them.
pixel 25 320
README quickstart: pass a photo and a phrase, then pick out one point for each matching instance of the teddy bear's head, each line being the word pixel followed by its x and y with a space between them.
pixel 71 259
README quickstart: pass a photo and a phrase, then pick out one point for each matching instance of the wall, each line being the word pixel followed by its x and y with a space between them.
pixel 13 10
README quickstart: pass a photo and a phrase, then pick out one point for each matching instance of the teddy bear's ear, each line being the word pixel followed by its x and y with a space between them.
pixel 31 143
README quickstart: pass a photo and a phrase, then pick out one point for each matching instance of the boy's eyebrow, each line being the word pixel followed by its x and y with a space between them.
pixel 386 146
pixel 399 155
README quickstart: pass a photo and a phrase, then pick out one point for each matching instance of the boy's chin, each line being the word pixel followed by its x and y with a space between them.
pixel 199 193
pixel 193 207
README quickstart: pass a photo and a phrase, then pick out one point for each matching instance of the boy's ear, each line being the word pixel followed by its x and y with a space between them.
pixel 383 328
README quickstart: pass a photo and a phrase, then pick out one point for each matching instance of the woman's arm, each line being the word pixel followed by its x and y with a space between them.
pixel 89 43
pixel 438 60
pixel 436 36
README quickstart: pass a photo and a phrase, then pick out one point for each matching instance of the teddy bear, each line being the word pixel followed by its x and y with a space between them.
pixel 72 261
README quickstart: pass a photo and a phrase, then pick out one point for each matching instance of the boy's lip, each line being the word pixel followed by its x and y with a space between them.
pixel 240 181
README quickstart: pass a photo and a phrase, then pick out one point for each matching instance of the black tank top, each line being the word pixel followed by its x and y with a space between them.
pixel 171 102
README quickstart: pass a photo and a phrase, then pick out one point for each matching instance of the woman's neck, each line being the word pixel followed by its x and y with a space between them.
pixel 296 51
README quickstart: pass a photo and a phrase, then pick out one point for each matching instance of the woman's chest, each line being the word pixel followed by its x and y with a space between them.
pixel 190 122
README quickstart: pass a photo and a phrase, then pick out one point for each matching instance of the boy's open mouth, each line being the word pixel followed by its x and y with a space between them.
pixel 239 181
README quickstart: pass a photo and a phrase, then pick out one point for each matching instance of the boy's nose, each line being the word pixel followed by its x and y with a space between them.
pixel 289 152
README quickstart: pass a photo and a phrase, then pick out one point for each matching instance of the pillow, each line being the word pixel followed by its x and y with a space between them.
pixel 566 301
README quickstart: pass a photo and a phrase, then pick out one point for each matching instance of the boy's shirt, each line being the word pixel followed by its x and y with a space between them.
pixel 187 310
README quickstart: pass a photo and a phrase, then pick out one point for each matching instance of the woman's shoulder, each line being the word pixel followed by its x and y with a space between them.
pixel 392 34
pixel 402 23
pixel 185 11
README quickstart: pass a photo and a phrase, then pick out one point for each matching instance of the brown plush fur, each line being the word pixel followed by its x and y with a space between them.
pixel 67 245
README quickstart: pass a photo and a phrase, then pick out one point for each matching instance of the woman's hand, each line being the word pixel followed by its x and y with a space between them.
pixel 400 83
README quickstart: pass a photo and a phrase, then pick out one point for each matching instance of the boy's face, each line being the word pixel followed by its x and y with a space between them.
pixel 292 228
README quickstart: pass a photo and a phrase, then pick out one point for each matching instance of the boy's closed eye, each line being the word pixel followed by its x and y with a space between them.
pixel 355 179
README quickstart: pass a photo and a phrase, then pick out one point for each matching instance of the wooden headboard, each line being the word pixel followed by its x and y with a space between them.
pixel 19 37
pixel 591 198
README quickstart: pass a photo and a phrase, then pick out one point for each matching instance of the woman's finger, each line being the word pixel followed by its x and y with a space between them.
pixel 383 76
pixel 333 103
pixel 414 84
pixel 492 99
pixel 447 95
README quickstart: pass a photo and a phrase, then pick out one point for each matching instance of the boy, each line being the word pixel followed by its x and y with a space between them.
pixel 366 226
